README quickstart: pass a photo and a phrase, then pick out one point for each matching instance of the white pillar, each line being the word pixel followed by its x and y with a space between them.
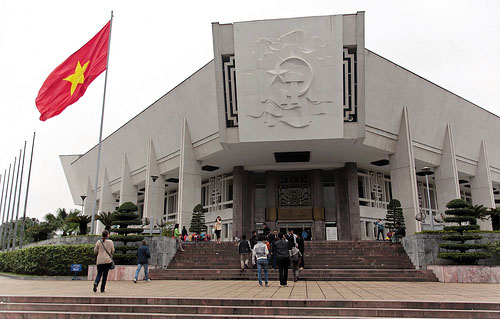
pixel 89 200
pixel 403 178
pixel 447 185
pixel 107 201
pixel 481 186
pixel 155 192
pixel 189 178
pixel 128 191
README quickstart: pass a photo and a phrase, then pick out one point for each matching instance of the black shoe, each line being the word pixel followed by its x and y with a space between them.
pixel 95 287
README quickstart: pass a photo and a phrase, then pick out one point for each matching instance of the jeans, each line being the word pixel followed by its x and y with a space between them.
pixel 139 266
pixel 295 270
pixel 283 269
pixel 262 263
pixel 301 262
pixel 102 271
pixel 380 231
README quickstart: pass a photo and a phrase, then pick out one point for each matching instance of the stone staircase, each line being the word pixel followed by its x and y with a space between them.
pixel 71 307
pixel 332 260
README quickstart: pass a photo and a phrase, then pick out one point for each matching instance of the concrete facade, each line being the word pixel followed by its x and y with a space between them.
pixel 263 134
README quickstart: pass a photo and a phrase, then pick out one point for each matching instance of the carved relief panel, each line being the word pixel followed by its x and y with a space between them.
pixel 290 79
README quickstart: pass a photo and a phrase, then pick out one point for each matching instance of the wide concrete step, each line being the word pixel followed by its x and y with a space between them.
pixel 186 311
pixel 156 307
pixel 189 265
pixel 98 315
pixel 305 274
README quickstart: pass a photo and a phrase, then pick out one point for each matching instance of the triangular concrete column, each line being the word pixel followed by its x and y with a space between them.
pixel 403 178
pixel 189 178
pixel 447 186
pixel 481 185
pixel 107 201
pixel 89 200
pixel 128 191
pixel 155 191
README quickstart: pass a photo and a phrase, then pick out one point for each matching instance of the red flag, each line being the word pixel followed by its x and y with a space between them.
pixel 68 82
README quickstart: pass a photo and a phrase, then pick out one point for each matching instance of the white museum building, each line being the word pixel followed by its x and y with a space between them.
pixel 294 123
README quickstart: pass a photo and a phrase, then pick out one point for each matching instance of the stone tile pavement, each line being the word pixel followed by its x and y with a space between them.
pixel 335 290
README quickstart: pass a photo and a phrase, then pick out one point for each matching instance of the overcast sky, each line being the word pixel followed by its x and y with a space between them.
pixel 157 44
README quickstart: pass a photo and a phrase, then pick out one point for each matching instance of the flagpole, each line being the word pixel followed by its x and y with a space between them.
pixel 26 195
pixel 19 199
pixel 92 222
pixel 11 225
pixel 1 198
pixel 8 205
pixel 3 211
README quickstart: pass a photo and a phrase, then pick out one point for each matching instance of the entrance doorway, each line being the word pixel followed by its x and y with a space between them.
pixel 298 228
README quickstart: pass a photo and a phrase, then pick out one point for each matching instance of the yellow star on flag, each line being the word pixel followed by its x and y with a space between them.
pixel 77 77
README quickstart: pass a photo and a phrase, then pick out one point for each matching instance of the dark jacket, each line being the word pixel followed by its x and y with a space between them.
pixel 253 241
pixel 266 230
pixel 143 255
pixel 300 244
pixel 291 241
pixel 281 248
pixel 400 232
pixel 244 247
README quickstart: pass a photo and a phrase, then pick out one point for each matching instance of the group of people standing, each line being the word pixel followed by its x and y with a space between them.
pixel 269 248
pixel 395 235
pixel 274 249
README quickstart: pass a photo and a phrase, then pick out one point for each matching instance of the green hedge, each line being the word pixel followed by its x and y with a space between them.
pixel 463 247
pixel 465 258
pixel 457 237
pixel 125 259
pixel 55 260
pixel 125 239
pixel 47 260
pixel 462 228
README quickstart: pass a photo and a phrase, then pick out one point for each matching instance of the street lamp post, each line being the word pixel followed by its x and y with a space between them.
pixel 83 203
pixel 427 171
pixel 154 178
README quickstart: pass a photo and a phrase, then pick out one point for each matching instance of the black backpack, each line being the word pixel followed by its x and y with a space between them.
pixel 244 247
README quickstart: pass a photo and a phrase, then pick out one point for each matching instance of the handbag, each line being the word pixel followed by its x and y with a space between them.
pixel 112 261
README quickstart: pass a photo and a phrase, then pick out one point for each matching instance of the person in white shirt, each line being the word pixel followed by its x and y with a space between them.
pixel 261 253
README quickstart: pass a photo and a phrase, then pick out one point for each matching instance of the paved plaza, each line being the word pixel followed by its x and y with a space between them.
pixel 334 290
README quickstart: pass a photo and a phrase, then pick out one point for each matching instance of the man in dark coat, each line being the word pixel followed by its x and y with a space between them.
pixel 266 229
pixel 300 246
pixel 143 254
pixel 282 258
pixel 273 238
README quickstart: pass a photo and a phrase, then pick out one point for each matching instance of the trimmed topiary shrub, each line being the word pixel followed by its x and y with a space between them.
pixel 198 220
pixel 126 215
pixel 47 260
pixel 394 214
pixel 461 213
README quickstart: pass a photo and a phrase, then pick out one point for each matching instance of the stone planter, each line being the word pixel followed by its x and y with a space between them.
pixel 121 272
pixel 466 274
pixel 423 249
